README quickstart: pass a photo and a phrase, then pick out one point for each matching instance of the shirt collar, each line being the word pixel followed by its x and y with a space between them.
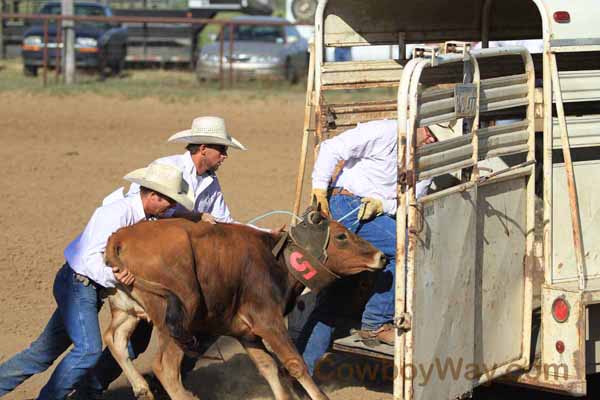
pixel 138 207
pixel 189 164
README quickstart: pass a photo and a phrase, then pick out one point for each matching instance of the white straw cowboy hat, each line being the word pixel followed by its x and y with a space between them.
pixel 207 130
pixel 166 180
pixel 447 131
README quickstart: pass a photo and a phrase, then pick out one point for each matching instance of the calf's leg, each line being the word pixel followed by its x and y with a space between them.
pixel 267 367
pixel 116 337
pixel 276 336
pixel 166 367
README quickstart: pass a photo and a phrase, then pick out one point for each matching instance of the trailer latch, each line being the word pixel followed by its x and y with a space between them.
pixel 403 322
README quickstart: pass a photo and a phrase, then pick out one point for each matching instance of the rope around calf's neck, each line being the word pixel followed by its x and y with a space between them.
pixel 253 220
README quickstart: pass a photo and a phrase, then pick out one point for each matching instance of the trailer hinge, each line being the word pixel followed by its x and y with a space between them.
pixel 427 51
pixel 403 322
pixel 456 47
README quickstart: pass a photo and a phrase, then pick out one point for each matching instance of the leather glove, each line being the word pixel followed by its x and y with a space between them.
pixel 370 208
pixel 319 197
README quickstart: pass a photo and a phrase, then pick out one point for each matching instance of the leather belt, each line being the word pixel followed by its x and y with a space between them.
pixel 83 279
pixel 341 192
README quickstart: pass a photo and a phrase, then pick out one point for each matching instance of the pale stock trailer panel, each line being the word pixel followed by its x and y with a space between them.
pixel 497 276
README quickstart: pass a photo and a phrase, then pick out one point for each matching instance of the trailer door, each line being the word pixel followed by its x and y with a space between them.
pixel 467 275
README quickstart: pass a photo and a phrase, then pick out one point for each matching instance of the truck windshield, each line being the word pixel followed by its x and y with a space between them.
pixel 255 33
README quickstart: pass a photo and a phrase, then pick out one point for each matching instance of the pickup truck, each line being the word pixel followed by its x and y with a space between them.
pixel 98 45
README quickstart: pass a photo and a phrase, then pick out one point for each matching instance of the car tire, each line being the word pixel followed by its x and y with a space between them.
pixel 117 68
pixel 291 75
pixel 30 70
pixel 102 67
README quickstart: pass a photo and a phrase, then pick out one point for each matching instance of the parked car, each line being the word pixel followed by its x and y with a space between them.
pixel 259 51
pixel 98 45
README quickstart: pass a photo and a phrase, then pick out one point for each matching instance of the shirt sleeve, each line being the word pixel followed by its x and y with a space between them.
pixel 102 224
pixel 218 207
pixel 352 144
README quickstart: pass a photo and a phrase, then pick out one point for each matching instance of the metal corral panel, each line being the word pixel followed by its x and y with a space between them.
pixel 500 252
pixel 444 312
pixel 587 177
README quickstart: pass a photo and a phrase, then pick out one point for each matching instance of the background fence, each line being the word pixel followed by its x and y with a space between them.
pixel 164 41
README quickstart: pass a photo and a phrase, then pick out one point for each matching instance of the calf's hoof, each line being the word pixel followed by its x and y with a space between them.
pixel 144 394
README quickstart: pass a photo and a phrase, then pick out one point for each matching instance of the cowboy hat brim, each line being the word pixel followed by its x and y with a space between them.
pixel 188 137
pixel 185 199
pixel 442 132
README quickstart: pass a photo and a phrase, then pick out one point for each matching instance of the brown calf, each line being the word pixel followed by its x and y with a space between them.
pixel 199 280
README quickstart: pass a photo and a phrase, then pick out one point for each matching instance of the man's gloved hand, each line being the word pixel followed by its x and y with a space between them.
pixel 206 217
pixel 123 276
pixel 319 196
pixel 370 208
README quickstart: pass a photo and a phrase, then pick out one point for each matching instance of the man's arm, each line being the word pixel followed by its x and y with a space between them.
pixel 103 223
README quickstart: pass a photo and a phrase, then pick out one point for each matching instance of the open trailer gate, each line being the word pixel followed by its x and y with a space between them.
pixel 464 294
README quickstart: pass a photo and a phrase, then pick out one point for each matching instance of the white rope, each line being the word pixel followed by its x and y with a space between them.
pixel 253 220
pixel 349 214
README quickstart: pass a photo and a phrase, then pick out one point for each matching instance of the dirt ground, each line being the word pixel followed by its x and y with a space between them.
pixel 61 155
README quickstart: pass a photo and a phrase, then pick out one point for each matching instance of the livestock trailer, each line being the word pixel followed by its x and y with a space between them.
pixel 500 277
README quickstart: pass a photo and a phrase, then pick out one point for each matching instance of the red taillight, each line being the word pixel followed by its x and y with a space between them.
pixel 560 346
pixel 560 309
pixel 562 17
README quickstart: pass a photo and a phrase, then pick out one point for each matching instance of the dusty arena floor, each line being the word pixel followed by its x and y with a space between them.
pixel 60 155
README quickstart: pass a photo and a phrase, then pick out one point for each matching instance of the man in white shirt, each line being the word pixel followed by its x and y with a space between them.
pixel 207 144
pixel 77 285
pixel 364 198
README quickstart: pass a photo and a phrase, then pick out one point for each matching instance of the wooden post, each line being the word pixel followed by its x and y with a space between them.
pixel 306 128
pixel 69 41
pixel 573 200
pixel 59 46
pixel 2 47
pixel 231 43
pixel 221 53
pixel 45 53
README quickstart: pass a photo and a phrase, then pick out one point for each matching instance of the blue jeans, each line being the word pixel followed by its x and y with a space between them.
pixel 75 321
pixel 315 337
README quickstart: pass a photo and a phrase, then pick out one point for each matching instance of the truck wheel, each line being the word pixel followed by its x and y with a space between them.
pixel 291 75
pixel 119 65
pixel 102 66
pixel 117 68
pixel 30 70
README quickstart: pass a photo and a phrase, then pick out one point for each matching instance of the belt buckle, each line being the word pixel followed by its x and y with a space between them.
pixel 83 279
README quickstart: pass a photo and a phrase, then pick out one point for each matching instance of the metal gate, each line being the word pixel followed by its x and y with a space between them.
pixel 464 296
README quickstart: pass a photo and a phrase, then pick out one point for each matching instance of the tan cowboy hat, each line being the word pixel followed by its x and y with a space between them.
pixel 207 130
pixel 446 130
pixel 166 180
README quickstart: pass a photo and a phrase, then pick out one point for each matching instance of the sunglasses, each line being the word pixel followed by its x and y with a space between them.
pixel 218 147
